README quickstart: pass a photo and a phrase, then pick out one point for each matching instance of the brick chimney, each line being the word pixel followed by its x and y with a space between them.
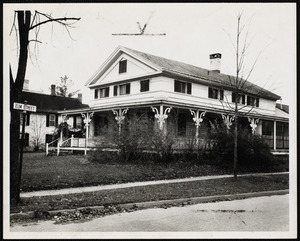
pixel 215 62
pixel 53 92
pixel 79 97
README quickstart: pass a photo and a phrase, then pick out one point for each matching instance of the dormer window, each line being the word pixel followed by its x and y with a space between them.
pixel 104 92
pixel 215 93
pixel 182 87
pixel 122 66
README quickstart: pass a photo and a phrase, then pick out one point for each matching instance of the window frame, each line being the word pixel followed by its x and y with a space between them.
pixel 252 101
pixel 123 66
pixel 183 87
pixel 144 85
pixel 104 92
pixel 52 115
pixel 124 87
pixel 215 93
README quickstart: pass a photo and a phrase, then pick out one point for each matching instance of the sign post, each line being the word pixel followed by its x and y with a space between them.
pixel 25 108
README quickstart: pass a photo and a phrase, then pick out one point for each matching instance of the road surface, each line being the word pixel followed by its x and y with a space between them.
pixel 253 214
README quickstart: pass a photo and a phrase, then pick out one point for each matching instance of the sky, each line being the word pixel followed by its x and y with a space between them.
pixel 193 32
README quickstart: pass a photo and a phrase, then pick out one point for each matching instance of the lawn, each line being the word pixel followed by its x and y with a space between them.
pixel 42 172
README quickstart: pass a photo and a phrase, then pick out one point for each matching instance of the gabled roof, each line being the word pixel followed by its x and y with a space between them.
pixel 51 103
pixel 197 74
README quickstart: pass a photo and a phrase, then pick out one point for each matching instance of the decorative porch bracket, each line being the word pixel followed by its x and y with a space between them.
pixel 227 120
pixel 86 120
pixel 253 123
pixel 197 118
pixel 120 116
pixel 161 115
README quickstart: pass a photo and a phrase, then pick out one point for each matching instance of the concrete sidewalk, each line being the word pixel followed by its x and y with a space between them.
pixel 132 184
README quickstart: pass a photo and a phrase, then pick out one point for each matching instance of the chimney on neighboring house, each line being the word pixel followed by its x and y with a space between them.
pixel 79 97
pixel 215 62
pixel 53 92
pixel 26 84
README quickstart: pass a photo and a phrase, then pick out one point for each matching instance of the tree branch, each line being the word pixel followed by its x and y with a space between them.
pixel 53 20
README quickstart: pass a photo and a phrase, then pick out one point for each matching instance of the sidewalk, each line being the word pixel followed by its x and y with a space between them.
pixel 132 184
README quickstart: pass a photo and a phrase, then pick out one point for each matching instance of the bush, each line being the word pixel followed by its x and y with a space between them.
pixel 253 152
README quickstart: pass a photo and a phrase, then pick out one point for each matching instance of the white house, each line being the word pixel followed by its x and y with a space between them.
pixel 41 125
pixel 180 96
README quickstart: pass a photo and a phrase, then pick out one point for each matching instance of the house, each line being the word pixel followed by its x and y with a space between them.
pixel 181 97
pixel 41 125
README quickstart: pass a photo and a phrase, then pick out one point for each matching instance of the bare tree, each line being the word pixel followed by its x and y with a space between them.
pixel 64 86
pixel 24 23
pixel 37 127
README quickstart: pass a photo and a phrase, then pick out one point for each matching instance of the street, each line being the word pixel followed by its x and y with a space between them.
pixel 253 214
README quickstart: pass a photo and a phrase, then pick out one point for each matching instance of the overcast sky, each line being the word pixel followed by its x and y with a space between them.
pixel 193 31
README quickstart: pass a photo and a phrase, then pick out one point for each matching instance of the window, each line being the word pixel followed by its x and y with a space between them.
pixel 214 93
pixel 125 89
pixel 96 94
pixel 182 87
pixel 77 121
pixel 267 128
pixel 181 124
pixel 240 100
pixel 144 85
pixel 51 120
pixel 252 101
pixel 104 92
pixel 123 66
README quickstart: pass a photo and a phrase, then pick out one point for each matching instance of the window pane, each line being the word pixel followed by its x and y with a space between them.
pixel 96 94
pixel 115 90
pixel 122 89
pixel 189 88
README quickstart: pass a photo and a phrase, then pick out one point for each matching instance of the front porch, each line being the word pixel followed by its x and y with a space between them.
pixel 185 122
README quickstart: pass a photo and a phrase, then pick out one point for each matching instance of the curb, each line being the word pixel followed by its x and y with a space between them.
pixel 161 204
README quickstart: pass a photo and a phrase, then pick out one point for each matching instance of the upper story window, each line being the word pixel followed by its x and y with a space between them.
pixel 51 120
pixel 123 66
pixel 182 87
pixel 215 93
pixel 104 92
pixel 123 89
pixel 144 85
pixel 240 99
pixel 252 101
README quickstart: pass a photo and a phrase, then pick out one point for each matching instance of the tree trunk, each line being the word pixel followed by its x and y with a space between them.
pixel 15 96
pixel 235 155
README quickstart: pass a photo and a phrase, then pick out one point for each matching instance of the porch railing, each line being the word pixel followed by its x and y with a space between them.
pixel 48 144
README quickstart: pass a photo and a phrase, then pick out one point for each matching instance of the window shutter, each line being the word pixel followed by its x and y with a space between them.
pixel 210 92
pixel 233 97
pixel 128 88
pixel 56 120
pixel 115 90
pixel 47 120
pixel 74 121
pixel 96 93
pixel 107 92
pixel 221 94
pixel 28 119
pixel 189 88
pixel 257 102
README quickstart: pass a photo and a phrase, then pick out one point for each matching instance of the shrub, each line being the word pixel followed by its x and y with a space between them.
pixel 253 152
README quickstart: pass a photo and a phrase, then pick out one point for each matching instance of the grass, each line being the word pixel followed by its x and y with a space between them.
pixel 211 187
pixel 42 172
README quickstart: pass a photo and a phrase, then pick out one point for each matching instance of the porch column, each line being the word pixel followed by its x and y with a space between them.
pixel 64 119
pixel 120 116
pixel 227 120
pixel 253 124
pixel 86 120
pixel 161 115
pixel 197 118
pixel 275 135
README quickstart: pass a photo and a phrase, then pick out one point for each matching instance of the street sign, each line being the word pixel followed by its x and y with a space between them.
pixel 19 106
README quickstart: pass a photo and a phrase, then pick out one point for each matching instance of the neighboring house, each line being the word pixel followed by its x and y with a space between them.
pixel 41 125
pixel 183 98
